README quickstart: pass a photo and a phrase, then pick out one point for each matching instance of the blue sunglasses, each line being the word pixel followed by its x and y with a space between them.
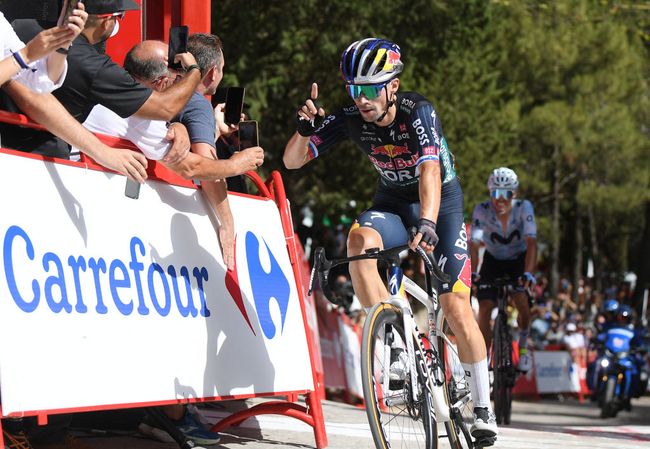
pixel 502 193
pixel 370 91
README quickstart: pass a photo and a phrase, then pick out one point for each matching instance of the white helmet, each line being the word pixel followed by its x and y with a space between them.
pixel 503 178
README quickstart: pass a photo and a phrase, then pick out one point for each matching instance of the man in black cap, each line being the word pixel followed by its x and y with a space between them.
pixel 93 78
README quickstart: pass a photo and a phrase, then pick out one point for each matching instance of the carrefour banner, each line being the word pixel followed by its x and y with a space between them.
pixel 108 300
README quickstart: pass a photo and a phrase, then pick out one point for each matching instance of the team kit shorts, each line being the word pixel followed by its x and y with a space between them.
pixel 493 268
pixel 392 217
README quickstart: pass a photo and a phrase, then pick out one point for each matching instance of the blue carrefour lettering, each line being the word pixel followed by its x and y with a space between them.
pixel 266 286
pixel 12 233
pixel 97 265
pixel 137 267
pixel 55 281
pixel 116 282
pixel 164 309
pixel 130 293
pixel 78 264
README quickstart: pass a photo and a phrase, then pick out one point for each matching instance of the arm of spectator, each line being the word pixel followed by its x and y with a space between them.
pixel 198 166
pixel 46 110
pixel 32 55
pixel 56 62
pixel 177 134
pixel 168 104
pixel 217 195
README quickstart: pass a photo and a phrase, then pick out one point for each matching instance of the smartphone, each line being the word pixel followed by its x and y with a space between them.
pixel 66 12
pixel 234 105
pixel 248 135
pixel 132 189
pixel 177 44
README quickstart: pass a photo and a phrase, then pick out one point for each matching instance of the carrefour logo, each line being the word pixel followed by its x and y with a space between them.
pixel 40 278
pixel 268 284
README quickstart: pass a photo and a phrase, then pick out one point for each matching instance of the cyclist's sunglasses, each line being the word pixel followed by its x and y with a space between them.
pixel 370 91
pixel 502 193
pixel 118 15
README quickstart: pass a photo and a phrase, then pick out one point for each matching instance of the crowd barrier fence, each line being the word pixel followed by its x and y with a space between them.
pixel 105 293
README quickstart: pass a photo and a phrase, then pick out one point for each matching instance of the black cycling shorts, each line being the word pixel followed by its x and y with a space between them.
pixel 391 217
pixel 493 268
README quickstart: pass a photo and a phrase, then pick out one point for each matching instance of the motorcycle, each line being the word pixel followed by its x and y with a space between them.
pixel 610 375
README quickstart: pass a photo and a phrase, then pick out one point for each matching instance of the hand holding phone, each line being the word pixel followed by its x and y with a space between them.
pixel 177 44
pixel 66 11
pixel 234 105
pixel 132 189
pixel 248 134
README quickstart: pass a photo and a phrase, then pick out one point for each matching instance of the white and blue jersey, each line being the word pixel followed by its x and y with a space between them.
pixel 508 245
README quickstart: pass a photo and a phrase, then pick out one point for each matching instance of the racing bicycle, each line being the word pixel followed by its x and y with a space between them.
pixel 503 364
pixel 404 406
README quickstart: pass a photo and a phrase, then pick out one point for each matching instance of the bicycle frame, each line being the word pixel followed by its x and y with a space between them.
pixel 435 318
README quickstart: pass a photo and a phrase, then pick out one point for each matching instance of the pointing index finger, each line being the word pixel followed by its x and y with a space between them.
pixel 314 91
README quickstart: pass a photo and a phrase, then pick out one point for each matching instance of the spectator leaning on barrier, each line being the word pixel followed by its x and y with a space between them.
pixel 93 78
pixel 28 90
pixel 147 63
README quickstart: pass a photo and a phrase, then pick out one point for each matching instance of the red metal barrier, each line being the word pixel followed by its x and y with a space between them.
pixel 312 414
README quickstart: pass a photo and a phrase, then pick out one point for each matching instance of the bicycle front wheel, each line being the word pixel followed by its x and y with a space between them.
pixel 504 371
pixel 457 392
pixel 400 414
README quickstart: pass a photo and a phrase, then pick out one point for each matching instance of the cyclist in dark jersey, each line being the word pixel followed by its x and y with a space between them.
pixel 402 136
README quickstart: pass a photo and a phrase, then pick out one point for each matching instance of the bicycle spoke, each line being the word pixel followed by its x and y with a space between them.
pixel 394 416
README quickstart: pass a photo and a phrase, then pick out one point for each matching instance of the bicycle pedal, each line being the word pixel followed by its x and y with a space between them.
pixel 485 442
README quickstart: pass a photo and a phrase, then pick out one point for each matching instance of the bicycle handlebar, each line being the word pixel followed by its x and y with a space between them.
pixel 322 265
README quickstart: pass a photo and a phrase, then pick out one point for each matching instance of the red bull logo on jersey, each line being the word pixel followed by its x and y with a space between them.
pixel 464 281
pixel 389 150
pixel 395 164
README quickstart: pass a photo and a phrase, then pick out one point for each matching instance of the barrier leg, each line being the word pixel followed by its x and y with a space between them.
pixel 312 415
pixel 316 410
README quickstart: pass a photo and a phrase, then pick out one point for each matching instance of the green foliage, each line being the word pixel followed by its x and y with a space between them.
pixel 513 81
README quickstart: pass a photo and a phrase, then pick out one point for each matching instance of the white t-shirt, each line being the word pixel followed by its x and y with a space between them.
pixel 147 135
pixel 39 81
pixel 574 340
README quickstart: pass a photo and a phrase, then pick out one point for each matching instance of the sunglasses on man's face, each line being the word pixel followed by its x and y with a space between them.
pixel 502 193
pixel 118 15
pixel 370 91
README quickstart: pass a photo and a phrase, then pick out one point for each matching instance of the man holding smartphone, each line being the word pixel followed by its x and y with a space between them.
pixel 93 78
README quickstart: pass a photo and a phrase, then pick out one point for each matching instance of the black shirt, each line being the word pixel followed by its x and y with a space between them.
pixel 92 78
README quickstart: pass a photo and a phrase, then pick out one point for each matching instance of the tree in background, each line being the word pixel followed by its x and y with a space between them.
pixel 556 90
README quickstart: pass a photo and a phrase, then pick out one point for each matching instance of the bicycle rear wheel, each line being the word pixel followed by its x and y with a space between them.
pixel 457 392
pixel 504 371
pixel 395 418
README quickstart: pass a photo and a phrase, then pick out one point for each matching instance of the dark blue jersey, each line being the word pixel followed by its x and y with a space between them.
pixel 396 151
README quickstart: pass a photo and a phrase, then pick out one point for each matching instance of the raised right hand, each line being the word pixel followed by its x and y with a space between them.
pixel 310 115
pixel 186 59
pixel 247 160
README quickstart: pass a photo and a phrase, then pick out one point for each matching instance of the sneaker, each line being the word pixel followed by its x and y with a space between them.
pixel 398 368
pixel 17 440
pixel 525 360
pixel 189 426
pixel 485 424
